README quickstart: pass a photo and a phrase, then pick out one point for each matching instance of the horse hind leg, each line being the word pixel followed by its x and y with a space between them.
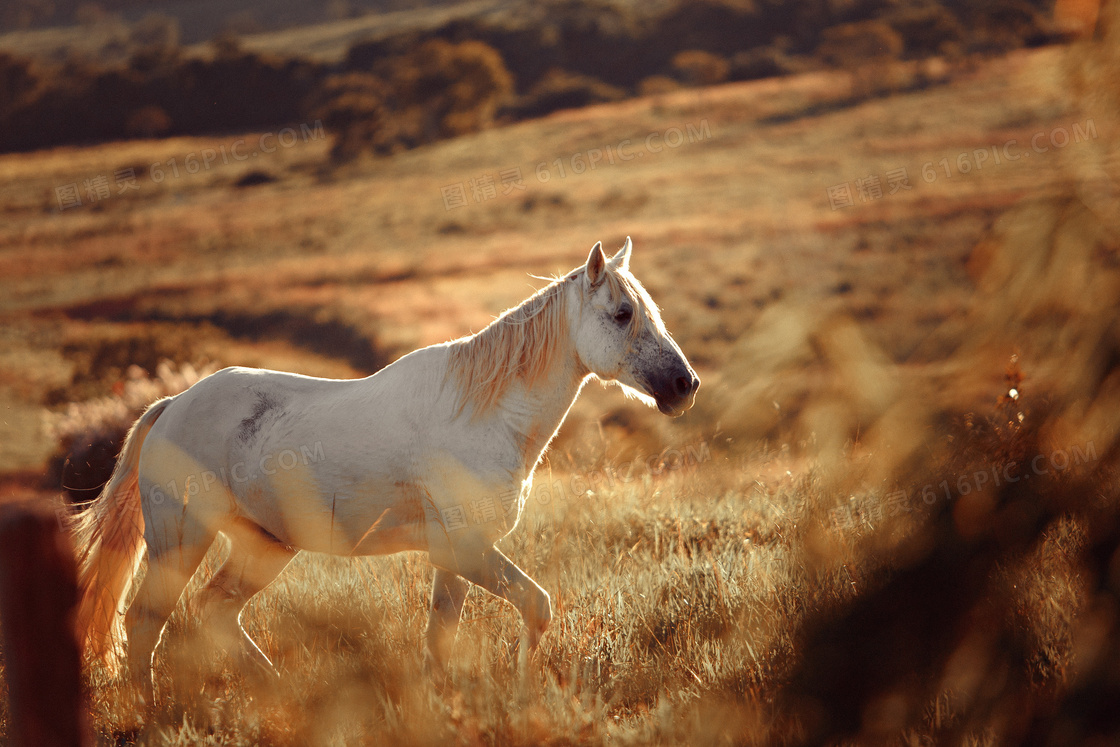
pixel 255 560
pixel 176 541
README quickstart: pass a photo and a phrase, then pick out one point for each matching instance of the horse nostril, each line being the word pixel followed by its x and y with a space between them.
pixel 682 386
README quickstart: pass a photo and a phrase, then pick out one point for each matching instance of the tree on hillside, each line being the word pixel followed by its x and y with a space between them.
pixel 444 89
pixel 352 106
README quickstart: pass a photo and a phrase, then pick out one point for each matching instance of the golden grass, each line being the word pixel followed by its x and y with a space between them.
pixel 846 354
pixel 649 581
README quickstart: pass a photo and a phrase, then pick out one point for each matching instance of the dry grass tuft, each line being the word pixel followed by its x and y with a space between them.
pixel 90 434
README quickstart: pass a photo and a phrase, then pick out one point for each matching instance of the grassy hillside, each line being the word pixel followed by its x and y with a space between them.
pixel 735 223
pixel 858 334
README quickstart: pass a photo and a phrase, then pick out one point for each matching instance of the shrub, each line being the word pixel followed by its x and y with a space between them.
pixel 764 62
pixel 561 89
pixel 445 89
pixel 17 80
pixel 353 107
pixel 148 121
pixel 858 44
pixel 234 90
pixel 90 434
pixel 1003 25
pixel 925 31
pixel 655 85
pixel 699 68
pixel 434 90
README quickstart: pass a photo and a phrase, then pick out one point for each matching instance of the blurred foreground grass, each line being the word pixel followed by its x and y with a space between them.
pixel 652 584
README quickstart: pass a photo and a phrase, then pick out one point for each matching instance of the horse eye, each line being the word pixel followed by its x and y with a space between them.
pixel 622 316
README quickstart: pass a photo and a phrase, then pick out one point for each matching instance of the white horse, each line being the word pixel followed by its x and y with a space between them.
pixel 435 452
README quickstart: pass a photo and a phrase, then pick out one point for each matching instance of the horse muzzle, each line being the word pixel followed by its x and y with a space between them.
pixel 676 394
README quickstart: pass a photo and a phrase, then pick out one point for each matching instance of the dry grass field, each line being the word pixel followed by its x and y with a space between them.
pixel 769 568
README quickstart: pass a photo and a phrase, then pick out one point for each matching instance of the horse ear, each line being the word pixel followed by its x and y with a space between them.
pixel 621 260
pixel 596 264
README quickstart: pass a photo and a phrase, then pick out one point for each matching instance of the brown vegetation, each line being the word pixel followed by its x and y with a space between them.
pixel 892 516
pixel 456 78
pixel 158 93
pixel 699 68
pixel 90 434
pixel 864 43
pixel 442 90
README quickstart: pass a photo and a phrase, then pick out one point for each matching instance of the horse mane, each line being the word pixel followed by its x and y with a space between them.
pixel 523 341
pixel 520 344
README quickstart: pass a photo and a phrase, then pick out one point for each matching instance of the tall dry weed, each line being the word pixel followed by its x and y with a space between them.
pixel 90 434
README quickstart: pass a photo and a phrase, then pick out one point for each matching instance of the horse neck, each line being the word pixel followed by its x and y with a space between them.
pixel 535 410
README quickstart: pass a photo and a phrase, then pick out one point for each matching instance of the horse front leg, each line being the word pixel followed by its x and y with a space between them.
pixel 449 592
pixel 496 573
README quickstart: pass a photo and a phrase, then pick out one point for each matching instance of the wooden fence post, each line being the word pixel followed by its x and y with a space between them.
pixel 42 660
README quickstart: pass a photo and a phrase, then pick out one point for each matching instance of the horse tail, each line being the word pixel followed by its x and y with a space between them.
pixel 108 536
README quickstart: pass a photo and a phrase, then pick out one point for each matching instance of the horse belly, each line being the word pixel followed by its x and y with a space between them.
pixel 399 527
pixel 365 519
